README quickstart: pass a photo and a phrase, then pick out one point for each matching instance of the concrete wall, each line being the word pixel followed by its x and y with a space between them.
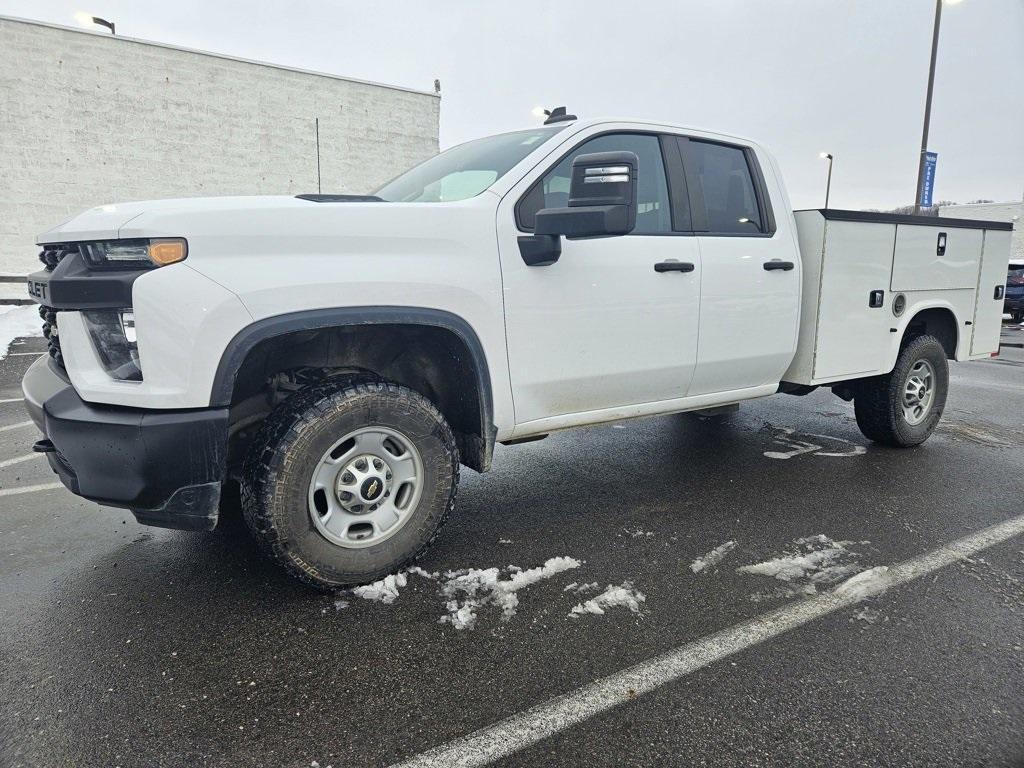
pixel 1013 212
pixel 87 119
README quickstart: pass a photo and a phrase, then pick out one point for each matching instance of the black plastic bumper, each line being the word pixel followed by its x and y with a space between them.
pixel 167 467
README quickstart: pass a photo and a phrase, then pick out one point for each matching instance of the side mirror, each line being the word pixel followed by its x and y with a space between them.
pixel 602 198
pixel 602 203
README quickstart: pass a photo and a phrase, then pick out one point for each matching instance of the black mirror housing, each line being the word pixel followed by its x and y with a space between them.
pixel 585 221
pixel 602 198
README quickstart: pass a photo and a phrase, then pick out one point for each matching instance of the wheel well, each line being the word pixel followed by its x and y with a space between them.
pixel 432 360
pixel 938 322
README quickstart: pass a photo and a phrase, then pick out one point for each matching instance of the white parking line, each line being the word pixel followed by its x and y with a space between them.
pixel 19 459
pixel 25 354
pixel 30 489
pixel 539 722
pixel 19 425
pixel 12 400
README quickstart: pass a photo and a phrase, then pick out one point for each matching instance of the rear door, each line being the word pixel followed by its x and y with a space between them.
pixel 750 276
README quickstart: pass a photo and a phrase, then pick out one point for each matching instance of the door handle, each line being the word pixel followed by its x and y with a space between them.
pixel 774 264
pixel 673 266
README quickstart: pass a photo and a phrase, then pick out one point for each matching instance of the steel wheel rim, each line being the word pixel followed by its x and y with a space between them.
pixel 918 392
pixel 365 487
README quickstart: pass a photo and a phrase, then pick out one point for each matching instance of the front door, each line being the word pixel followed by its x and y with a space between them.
pixel 604 326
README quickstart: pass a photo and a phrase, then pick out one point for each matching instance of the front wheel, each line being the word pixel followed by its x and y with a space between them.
pixel 903 408
pixel 348 483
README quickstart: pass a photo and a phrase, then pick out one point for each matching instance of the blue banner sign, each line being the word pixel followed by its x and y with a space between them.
pixel 930 158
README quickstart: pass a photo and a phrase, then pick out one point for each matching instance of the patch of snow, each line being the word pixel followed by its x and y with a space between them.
pixel 417 571
pixel 340 605
pixel 712 558
pixel 580 588
pixel 817 561
pixel 623 595
pixel 16 322
pixel 383 591
pixel 386 590
pixel 504 541
pixel 639 533
pixel 470 590
pixel 865 584
pixel 868 616
pixel 797 565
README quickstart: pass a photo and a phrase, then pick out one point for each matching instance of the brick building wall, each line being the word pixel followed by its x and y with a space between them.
pixel 87 119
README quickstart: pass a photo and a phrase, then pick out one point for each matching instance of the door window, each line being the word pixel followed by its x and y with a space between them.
pixel 653 214
pixel 724 178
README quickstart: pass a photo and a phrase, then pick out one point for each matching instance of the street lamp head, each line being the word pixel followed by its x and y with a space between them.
pixel 539 112
pixel 951 2
pixel 824 155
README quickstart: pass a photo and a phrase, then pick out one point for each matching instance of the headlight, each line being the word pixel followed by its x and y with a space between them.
pixel 113 334
pixel 137 253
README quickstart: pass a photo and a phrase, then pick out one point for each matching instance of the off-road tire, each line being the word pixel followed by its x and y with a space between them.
pixel 878 402
pixel 290 444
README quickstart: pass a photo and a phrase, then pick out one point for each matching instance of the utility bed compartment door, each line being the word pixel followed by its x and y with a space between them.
pixel 935 258
pixel 988 308
pixel 852 335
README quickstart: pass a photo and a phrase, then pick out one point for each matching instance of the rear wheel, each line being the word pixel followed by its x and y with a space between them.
pixel 903 408
pixel 347 483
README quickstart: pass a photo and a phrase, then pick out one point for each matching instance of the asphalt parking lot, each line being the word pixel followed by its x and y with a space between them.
pixel 122 645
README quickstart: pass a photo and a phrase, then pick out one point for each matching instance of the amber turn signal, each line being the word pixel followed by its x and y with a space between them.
pixel 164 252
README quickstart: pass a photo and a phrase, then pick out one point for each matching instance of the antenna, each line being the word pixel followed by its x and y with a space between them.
pixel 557 115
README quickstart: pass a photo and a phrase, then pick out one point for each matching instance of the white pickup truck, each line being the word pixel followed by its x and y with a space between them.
pixel 340 356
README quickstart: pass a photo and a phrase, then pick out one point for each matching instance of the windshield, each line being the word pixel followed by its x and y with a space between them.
pixel 466 170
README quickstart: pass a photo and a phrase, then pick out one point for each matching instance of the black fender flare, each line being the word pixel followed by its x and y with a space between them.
pixel 245 340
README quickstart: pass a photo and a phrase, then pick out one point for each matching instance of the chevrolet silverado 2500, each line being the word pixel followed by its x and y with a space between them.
pixel 339 356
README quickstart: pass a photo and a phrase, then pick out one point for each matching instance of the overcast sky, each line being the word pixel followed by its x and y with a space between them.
pixel 802 76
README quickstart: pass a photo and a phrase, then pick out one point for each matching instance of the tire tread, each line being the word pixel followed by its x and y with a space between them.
pixel 268 456
pixel 877 400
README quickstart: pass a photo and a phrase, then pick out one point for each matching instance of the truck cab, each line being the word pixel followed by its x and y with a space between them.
pixel 338 358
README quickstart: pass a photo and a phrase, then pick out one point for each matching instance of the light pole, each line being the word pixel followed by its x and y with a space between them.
pixel 928 104
pixel 828 184
pixel 85 19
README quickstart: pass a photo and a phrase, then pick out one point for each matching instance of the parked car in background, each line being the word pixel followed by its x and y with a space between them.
pixel 1014 303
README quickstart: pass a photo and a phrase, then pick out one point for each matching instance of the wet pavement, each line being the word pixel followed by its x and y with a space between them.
pixel 122 645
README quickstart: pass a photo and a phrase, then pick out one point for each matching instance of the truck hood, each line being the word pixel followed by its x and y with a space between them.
pixel 107 222
pixel 234 240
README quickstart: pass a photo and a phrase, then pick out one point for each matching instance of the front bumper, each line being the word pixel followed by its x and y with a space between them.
pixel 166 466
pixel 1013 303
